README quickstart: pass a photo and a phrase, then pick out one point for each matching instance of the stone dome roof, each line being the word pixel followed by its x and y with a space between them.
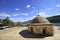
pixel 39 19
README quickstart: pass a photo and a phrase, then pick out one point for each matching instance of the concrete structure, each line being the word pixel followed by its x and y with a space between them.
pixel 40 26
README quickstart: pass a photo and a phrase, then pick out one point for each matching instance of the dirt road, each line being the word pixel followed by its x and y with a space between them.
pixel 13 34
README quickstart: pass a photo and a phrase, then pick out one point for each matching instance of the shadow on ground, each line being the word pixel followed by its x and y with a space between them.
pixel 1 28
pixel 59 28
pixel 27 34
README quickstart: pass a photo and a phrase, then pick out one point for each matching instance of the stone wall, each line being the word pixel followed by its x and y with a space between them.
pixel 41 29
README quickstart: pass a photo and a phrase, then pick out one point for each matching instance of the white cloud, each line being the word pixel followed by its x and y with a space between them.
pixel 58 14
pixel 16 14
pixel 18 19
pixel 16 9
pixel 28 6
pixel 44 14
pixel 34 11
pixel 34 16
pixel 20 13
pixel 15 20
pixel 24 14
pixel 4 14
pixel 58 5
pixel 49 9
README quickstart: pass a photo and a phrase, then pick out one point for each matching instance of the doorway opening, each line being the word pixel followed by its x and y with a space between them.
pixel 31 29
pixel 44 32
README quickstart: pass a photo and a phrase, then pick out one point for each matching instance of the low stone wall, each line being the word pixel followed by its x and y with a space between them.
pixel 40 29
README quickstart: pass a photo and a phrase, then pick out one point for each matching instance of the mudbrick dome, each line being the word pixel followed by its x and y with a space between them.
pixel 39 19
pixel 40 26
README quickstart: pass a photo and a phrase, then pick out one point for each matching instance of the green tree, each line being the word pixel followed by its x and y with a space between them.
pixel 8 22
pixel 1 22
pixel 18 24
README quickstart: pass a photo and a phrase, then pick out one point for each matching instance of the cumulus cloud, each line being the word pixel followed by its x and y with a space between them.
pixel 16 9
pixel 58 5
pixel 4 14
pixel 28 6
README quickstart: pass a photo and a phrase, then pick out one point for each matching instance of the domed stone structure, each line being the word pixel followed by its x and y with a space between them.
pixel 40 26
pixel 39 19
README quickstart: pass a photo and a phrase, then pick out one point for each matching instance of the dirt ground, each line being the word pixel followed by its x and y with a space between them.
pixel 20 33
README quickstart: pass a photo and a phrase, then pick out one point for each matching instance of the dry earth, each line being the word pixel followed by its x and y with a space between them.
pixel 13 34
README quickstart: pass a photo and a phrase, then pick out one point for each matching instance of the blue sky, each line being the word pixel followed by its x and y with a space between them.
pixel 23 10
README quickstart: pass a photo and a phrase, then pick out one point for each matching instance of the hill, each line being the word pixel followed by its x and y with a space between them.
pixel 54 19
